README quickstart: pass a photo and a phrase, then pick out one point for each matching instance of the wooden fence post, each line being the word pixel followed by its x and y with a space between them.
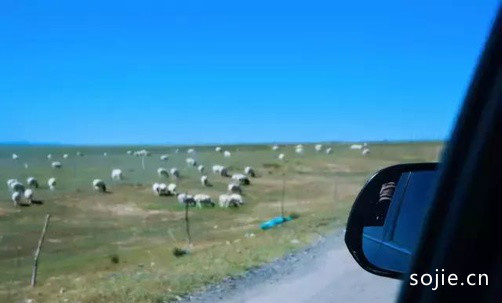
pixel 37 252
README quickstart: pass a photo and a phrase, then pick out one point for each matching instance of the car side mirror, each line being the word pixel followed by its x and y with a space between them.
pixel 386 220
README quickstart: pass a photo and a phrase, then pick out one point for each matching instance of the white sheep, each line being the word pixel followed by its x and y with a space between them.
pixel 164 157
pixel 191 151
pixel 234 188
pixel 220 170
pixel 281 157
pixel 201 168
pixel 175 172
pixel 99 185
pixel 31 181
pixel 51 183
pixel 26 165
pixel 242 179
pixel 248 170
pixel 15 157
pixel 236 200
pixel 203 200
pixel 275 147
pixel 318 147
pixel 171 189
pixel 184 198
pixel 365 151
pixel 329 150
pixel 80 154
pixel 16 197
pixel 299 149
pixel 28 196
pixel 356 146
pixel 227 154
pixel 162 172
pixel 129 152
pixel 105 154
pixel 204 181
pixel 65 156
pixel 49 156
pixel 117 174
pixel 218 149
pixel 225 200
pixel 191 162
pixel 56 164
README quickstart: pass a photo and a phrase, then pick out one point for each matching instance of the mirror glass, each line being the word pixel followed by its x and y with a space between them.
pixel 394 221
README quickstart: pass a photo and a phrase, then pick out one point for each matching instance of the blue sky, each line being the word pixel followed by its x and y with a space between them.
pixel 112 72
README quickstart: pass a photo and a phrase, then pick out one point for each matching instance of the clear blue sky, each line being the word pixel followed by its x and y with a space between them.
pixel 111 72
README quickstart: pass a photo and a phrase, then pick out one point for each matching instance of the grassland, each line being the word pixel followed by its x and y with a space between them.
pixel 118 247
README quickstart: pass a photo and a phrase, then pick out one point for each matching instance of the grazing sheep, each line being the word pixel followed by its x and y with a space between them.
pixel 28 196
pixel 191 151
pixel 329 150
pixel 184 198
pixel 225 200
pixel 142 153
pixel 356 146
pixel 318 147
pixel 175 172
pixel 16 197
pixel 164 157
pixel 49 156
pixel 281 156
pixel 117 174
pixel 365 151
pixel 227 154
pixel 99 185
pixel 242 179
pixel 191 162
pixel 56 164
pixel 105 154
pixel 218 149
pixel 248 170
pixel 201 168
pixel 52 183
pixel 80 154
pixel 275 147
pixel 236 200
pixel 171 189
pixel 65 156
pixel 129 152
pixel 26 165
pixel 203 200
pixel 15 157
pixel 32 182
pixel 234 188
pixel 162 172
pixel 299 149
pixel 204 181
pixel 220 170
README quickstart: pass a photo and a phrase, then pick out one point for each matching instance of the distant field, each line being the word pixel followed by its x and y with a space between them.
pixel 88 228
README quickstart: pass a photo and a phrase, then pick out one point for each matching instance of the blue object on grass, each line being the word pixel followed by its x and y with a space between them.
pixel 274 222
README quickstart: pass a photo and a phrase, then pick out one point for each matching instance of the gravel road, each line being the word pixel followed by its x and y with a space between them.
pixel 323 272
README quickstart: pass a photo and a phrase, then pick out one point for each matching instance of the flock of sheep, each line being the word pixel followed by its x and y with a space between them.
pixel 22 196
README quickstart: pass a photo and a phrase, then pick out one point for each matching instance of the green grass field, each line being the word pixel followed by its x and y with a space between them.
pixel 118 246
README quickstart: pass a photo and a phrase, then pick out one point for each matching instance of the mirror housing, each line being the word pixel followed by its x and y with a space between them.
pixel 386 219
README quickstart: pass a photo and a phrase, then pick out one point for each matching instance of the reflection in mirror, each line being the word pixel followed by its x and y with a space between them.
pixel 392 229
